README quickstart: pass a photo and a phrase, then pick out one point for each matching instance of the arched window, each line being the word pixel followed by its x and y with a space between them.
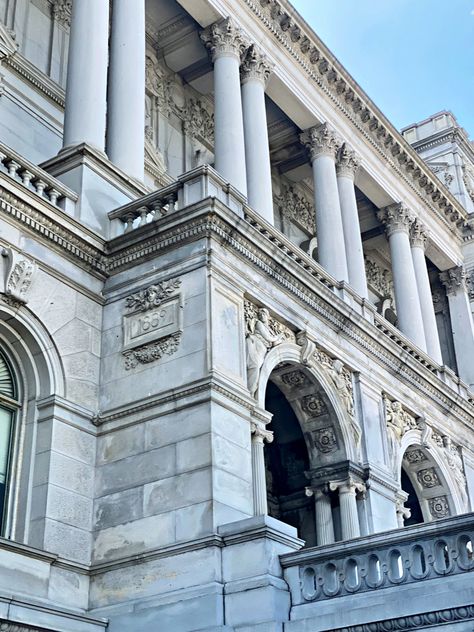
pixel 8 410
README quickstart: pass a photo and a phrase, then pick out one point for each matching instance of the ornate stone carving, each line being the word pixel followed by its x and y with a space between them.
pixel 396 217
pixel 442 171
pixel 152 324
pixel 380 279
pixel 415 456
pixel 439 507
pixel 418 234
pixel 255 65
pixel 428 478
pixel 321 140
pixel 454 280
pixel 297 208
pixel 295 379
pixel 347 162
pixel 308 346
pixel 18 276
pixel 262 333
pixel 62 10
pixel 453 456
pixel 224 38
pixel 260 434
pixel 313 405
pixel 325 440
pixel 198 121
pixel 468 179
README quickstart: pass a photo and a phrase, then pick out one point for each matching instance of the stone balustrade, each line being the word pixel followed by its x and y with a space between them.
pixel 413 554
pixel 36 179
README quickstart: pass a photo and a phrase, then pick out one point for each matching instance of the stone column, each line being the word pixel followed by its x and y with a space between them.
pixel 323 512
pixel 346 168
pixel 226 44
pixel 462 326
pixel 323 144
pixel 259 436
pixel 86 86
pixel 254 75
pixel 403 512
pixel 397 220
pixel 348 505
pixel 418 237
pixel 126 96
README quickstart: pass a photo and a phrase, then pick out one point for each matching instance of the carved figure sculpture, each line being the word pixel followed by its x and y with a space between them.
pixel 342 381
pixel 260 340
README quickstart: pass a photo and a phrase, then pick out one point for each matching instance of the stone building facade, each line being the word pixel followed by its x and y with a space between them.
pixel 236 334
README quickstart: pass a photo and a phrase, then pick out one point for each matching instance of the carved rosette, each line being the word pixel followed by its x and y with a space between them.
pixel 397 218
pixel 454 280
pixel 439 507
pixel 418 234
pixel 224 38
pixel 347 162
pixel 255 66
pixel 428 478
pixel 325 440
pixel 152 323
pixel 321 140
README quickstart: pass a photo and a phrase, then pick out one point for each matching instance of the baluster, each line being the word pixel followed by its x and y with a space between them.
pixel 143 215
pixel 128 219
pixel 40 186
pixel 170 201
pixel 157 207
pixel 26 177
pixel 53 196
pixel 3 157
pixel 13 167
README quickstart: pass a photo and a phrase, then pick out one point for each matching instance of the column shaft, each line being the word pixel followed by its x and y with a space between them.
pixel 418 238
pixel 347 165
pixel 324 522
pixel 257 152
pixel 258 470
pixel 349 516
pixel 126 96
pixel 86 86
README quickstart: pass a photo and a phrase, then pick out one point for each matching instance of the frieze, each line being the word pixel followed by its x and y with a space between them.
pixel 152 324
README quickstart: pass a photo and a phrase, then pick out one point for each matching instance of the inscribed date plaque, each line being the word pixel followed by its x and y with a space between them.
pixel 141 328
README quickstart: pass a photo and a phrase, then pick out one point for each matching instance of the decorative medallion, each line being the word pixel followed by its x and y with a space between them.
pixel 325 440
pixel 428 478
pixel 313 405
pixel 439 507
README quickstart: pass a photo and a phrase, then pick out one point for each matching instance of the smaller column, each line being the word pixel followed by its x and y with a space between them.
pixel 226 44
pixel 126 97
pixel 259 436
pixel 86 85
pixel 418 237
pixel 323 143
pixel 403 513
pixel 397 220
pixel 323 513
pixel 346 169
pixel 348 505
pixel 254 74
pixel 462 325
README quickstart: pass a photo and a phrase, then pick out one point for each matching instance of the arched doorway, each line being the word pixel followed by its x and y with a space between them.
pixel 308 448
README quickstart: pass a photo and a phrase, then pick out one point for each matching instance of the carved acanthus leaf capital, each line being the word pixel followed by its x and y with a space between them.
pixel 454 280
pixel 255 66
pixel 347 162
pixel 396 217
pixel 224 38
pixel 418 234
pixel 321 140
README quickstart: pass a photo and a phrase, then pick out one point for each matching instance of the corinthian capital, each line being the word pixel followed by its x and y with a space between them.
pixel 347 162
pixel 418 234
pixel 321 140
pixel 224 38
pixel 255 65
pixel 454 280
pixel 396 217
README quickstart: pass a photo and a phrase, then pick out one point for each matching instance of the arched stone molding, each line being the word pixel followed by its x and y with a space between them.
pixel 39 374
pixel 288 353
pixel 438 492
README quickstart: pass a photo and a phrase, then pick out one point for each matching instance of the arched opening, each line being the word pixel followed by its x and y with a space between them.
pixel 411 503
pixel 307 452
pixel 9 407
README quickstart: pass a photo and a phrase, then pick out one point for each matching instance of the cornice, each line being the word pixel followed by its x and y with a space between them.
pixel 310 53
pixel 36 78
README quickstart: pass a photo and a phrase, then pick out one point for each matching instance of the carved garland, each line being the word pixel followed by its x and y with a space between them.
pixel 297 208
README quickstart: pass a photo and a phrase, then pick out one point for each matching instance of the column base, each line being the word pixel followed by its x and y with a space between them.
pixel 101 186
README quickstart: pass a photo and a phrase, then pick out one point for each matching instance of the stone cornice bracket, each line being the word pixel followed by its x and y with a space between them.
pixel 418 234
pixel 347 162
pixel 224 38
pixel 18 274
pixel 396 217
pixel 454 280
pixel 321 140
pixel 259 434
pixel 255 65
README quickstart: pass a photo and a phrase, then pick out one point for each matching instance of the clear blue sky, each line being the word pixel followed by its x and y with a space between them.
pixel 412 57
